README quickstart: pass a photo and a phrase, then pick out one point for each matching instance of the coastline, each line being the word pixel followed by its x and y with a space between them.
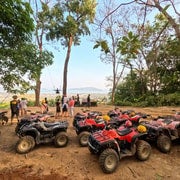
pixel 7 97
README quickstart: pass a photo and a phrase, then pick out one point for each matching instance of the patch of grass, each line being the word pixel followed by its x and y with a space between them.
pixel 4 105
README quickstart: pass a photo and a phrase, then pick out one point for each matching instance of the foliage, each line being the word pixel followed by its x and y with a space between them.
pixel 16 23
pixel 70 18
pixel 21 61
pixel 68 21
pixel 169 66
pixel 129 46
pixel 104 46
pixel 24 66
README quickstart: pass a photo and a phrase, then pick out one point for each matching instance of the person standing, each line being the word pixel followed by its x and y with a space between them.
pixel 23 106
pixel 71 106
pixel 65 109
pixel 14 106
pixel 78 100
pixel 46 101
pixel 44 107
pixel 58 107
pixel 88 101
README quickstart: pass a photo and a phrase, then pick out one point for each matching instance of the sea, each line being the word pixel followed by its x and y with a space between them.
pixel 51 94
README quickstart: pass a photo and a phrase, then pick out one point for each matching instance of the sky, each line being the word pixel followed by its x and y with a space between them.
pixel 85 68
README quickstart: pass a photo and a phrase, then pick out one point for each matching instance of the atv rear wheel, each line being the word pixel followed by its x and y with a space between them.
pixel 83 138
pixel 25 144
pixel 61 139
pixel 143 150
pixel 108 160
pixel 164 143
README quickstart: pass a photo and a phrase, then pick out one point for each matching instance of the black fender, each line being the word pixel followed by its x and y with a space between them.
pixel 83 128
pixel 139 136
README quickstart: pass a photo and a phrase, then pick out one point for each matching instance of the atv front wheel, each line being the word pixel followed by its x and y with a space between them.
pixel 83 138
pixel 61 139
pixel 164 143
pixel 108 160
pixel 143 150
pixel 25 144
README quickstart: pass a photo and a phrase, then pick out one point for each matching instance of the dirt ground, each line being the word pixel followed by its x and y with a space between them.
pixel 73 162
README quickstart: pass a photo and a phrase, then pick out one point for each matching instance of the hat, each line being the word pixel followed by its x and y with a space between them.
pixel 15 97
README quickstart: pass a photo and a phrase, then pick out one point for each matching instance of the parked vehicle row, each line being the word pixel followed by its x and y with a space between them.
pixel 111 137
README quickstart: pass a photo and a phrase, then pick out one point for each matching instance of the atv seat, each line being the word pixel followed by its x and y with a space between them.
pixel 48 125
pixel 167 121
pixel 99 121
pixel 124 132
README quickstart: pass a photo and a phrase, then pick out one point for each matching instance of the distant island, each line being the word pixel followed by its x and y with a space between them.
pixel 84 90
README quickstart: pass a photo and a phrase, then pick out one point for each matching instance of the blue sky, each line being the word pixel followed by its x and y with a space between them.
pixel 85 68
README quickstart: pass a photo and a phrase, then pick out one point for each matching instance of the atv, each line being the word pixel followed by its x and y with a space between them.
pixel 113 144
pixel 85 115
pixel 3 117
pixel 38 132
pixel 32 118
pixel 121 119
pixel 175 116
pixel 86 127
pixel 162 131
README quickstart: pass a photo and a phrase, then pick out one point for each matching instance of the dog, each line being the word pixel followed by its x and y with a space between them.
pixel 3 117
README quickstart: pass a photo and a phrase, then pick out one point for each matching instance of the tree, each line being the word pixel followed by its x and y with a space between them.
pixel 130 90
pixel 68 21
pixel 40 15
pixel 21 61
pixel 16 26
pixel 114 27
pixel 162 7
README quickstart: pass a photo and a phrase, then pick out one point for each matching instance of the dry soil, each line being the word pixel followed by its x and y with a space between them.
pixel 77 163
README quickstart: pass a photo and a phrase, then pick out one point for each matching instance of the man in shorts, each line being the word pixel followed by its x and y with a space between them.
pixel 14 106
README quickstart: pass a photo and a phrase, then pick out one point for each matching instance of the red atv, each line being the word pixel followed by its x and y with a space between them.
pixel 86 114
pixel 113 144
pixel 163 131
pixel 86 127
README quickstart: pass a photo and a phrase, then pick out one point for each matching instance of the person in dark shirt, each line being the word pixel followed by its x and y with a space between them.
pixel 14 106
pixel 58 108
pixel 88 101
pixel 78 100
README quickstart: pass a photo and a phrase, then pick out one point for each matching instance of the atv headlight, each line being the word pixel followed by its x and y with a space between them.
pixel 141 129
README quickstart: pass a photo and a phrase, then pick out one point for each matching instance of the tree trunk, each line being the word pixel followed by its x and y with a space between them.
pixel 66 65
pixel 37 92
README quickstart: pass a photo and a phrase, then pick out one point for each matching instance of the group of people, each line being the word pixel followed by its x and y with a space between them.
pixel 18 107
pixel 68 105
pixel 65 106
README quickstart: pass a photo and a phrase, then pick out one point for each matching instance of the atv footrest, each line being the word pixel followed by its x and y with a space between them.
pixel 125 153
